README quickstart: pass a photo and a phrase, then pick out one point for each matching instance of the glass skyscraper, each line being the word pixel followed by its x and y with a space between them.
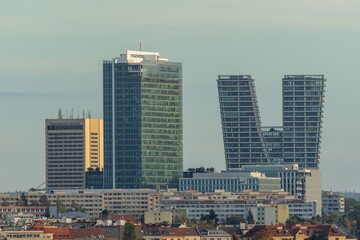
pixel 142 121
pixel 246 142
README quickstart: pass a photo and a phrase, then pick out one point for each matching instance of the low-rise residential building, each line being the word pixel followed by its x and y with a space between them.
pixel 298 232
pixel 89 200
pixel 211 234
pixel 25 235
pixel 269 214
pixel 127 201
pixel 35 211
pixel 333 203
pixel 304 183
pixel 170 233
pixel 155 217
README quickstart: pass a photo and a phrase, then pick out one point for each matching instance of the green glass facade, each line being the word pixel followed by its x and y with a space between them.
pixel 142 124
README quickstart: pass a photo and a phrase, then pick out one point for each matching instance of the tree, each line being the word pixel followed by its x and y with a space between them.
pixel 333 218
pixel 317 237
pixel 181 220
pixel 104 213
pixel 76 207
pixel 250 217
pixel 129 231
pixel 213 216
pixel 22 201
pixel 210 219
pixel 262 234
pixel 5 202
pixel 60 206
pixel 43 201
pixel 47 212
pixel 234 220
pixel 293 220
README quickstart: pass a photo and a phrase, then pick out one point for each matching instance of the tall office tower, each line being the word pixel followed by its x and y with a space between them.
pixel 142 121
pixel 244 142
pixel 303 102
pixel 72 147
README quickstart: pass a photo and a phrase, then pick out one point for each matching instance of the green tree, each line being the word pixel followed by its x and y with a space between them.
pixel 129 231
pixel 213 216
pixel 104 213
pixel 317 237
pixel 22 201
pixel 60 206
pixel 262 234
pixel 181 220
pixel 234 220
pixel 250 217
pixel 76 207
pixel 333 218
pixel 209 219
pixel 47 212
pixel 293 220
pixel 43 201
pixel 5 202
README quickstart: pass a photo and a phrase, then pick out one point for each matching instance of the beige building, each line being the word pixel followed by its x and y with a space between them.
pixel 25 235
pixel 72 147
pixel 153 217
pixel 269 214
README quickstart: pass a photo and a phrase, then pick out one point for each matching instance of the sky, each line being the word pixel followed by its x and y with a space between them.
pixel 51 55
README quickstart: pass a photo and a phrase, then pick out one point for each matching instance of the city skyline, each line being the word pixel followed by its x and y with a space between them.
pixel 50 61
pixel 248 142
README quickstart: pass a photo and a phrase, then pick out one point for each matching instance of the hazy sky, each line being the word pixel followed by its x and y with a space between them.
pixel 51 56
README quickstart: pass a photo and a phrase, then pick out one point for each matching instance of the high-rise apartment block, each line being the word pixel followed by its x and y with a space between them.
pixel 303 103
pixel 142 94
pixel 72 147
pixel 246 142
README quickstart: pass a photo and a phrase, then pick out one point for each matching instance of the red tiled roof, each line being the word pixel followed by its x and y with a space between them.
pixel 59 233
pixel 37 226
pixel 166 231
pixel 125 217
pixel 89 233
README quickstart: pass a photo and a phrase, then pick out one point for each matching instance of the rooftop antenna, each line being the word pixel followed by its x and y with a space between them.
pixel 60 114
pixel 140 47
pixel 83 113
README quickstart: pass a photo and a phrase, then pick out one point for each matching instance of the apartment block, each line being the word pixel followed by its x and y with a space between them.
pixel 73 146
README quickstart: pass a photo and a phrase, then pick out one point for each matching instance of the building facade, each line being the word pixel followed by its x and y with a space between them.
pixel 73 146
pixel 304 183
pixel 228 181
pixel 333 203
pixel 303 103
pixel 142 121
pixel 244 142
pixel 270 213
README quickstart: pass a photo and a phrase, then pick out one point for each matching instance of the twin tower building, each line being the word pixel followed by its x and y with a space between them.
pixel 139 144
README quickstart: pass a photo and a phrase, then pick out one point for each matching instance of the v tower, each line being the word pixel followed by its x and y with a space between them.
pixel 303 104
pixel 244 142
pixel 298 140
pixel 142 121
